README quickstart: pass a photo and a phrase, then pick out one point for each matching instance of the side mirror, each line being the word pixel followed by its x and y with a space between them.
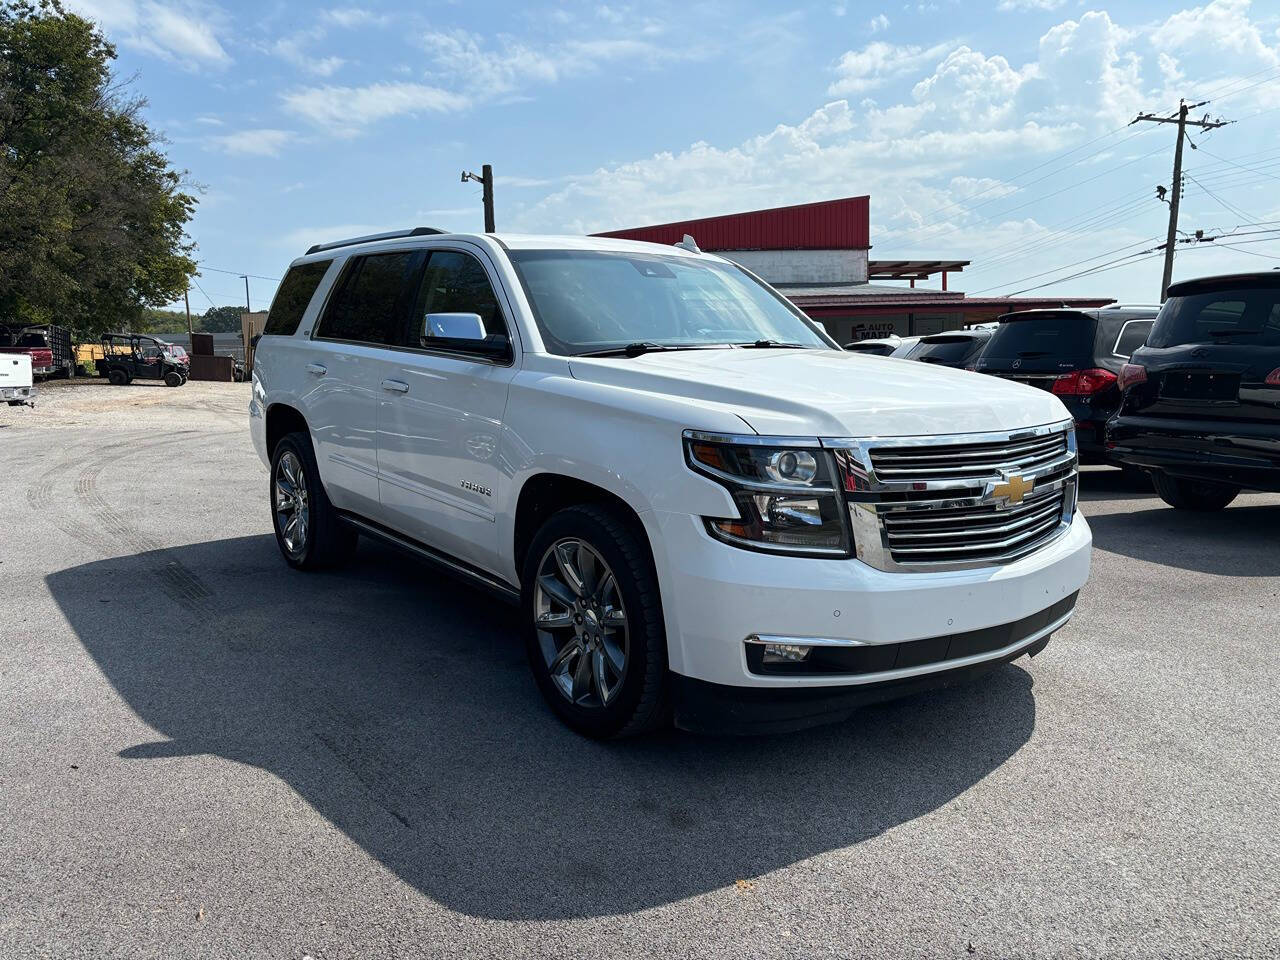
pixel 453 326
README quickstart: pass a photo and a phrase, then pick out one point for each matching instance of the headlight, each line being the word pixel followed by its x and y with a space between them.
pixel 787 497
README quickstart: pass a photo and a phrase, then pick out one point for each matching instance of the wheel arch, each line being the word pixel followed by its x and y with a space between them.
pixel 282 419
pixel 543 494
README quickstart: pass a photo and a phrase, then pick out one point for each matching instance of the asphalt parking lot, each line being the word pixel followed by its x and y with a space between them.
pixel 205 754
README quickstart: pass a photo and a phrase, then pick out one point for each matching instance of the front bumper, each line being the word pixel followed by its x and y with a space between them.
pixel 1228 451
pixel 715 596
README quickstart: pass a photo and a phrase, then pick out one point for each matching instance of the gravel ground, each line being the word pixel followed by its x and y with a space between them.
pixel 204 754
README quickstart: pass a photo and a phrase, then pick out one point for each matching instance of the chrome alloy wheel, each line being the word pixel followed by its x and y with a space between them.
pixel 292 509
pixel 581 623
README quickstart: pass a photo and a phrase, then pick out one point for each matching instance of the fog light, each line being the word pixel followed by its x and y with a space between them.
pixel 785 653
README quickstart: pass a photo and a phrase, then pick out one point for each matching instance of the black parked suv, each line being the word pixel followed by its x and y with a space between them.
pixel 955 348
pixel 1075 354
pixel 1201 406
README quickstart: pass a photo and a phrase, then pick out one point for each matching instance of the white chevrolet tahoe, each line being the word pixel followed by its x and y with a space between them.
pixel 706 510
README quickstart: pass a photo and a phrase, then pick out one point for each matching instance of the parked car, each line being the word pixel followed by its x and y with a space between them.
pixel 48 345
pixel 891 346
pixel 1201 407
pixel 955 348
pixel 17 383
pixel 1075 355
pixel 133 356
pixel 704 508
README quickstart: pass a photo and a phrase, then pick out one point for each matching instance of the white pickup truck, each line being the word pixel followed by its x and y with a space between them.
pixel 707 510
pixel 17 385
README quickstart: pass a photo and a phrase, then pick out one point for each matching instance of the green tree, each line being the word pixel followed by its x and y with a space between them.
pixel 92 216
pixel 153 320
pixel 221 320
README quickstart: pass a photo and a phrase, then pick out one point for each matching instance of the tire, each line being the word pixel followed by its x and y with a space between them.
pixel 1202 495
pixel 117 376
pixel 627 702
pixel 325 541
pixel 172 379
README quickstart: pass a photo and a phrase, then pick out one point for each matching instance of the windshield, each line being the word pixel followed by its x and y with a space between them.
pixel 1241 315
pixel 949 350
pixel 1064 335
pixel 585 301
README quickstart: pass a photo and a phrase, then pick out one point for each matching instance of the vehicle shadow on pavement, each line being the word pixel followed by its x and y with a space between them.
pixel 1236 542
pixel 398 704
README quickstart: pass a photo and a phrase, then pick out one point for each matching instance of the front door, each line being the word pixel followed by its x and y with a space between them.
pixel 441 411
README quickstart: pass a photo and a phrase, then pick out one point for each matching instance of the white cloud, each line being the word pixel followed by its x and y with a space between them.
pixel 353 17
pixel 509 67
pixel 877 63
pixel 293 49
pixel 878 23
pixel 261 142
pixel 344 111
pixel 1220 31
pixel 1030 4
pixel 181 33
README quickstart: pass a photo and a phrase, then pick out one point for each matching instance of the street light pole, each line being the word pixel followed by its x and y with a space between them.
pixel 486 184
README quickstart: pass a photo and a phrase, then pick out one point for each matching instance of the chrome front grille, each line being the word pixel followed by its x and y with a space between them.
pixel 960 501
pixel 984 533
pixel 945 461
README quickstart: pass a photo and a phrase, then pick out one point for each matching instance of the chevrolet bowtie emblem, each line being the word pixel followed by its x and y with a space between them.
pixel 1013 489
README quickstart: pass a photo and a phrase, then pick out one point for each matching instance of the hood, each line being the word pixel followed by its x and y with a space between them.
pixel 830 393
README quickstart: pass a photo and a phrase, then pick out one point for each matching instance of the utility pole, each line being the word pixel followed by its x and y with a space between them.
pixel 247 308
pixel 486 183
pixel 1175 189
pixel 186 300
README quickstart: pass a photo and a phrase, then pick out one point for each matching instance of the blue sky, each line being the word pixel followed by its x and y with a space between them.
pixel 994 131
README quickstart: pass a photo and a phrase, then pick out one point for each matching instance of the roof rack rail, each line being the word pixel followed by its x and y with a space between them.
pixel 369 238
pixel 1131 306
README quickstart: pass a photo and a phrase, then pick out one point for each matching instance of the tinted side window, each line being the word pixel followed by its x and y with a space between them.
pixel 1132 335
pixel 295 292
pixel 454 283
pixel 368 305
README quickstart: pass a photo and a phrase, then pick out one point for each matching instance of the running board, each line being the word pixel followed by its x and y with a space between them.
pixel 434 557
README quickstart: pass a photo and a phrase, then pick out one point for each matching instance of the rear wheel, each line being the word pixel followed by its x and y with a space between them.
pixel 595 636
pixel 1184 494
pixel 117 376
pixel 309 531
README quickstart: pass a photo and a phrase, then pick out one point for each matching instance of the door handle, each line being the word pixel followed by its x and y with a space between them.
pixel 395 386
pixel 318 369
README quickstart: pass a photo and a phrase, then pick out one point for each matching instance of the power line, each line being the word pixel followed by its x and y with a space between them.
pixel 237 273
pixel 1239 165
pixel 201 289
pixel 1228 207
pixel 1067 266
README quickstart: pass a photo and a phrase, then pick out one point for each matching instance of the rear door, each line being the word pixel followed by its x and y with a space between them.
pixel 1210 356
pixel 441 410
pixel 343 367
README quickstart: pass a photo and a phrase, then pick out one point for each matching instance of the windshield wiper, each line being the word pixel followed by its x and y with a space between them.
pixel 1033 353
pixel 764 344
pixel 639 348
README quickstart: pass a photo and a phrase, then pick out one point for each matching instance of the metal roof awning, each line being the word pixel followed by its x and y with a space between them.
pixel 912 269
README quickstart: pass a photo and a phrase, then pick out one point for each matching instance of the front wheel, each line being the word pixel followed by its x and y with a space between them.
pixel 595 636
pixel 309 532
pixel 173 379
pixel 1201 495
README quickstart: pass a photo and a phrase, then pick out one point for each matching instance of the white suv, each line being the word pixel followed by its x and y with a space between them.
pixel 706 510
